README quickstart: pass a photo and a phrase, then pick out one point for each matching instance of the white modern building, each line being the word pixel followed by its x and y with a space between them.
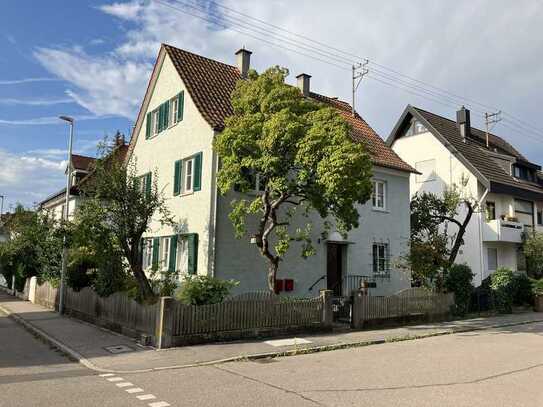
pixel 508 188
pixel 184 108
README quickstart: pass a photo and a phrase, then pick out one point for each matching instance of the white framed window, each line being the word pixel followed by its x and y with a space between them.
pixel 174 108
pixel 188 182
pixel 381 259
pixel 427 171
pixel 379 195
pixel 147 253
pixel 165 253
pixel 154 123
pixel 182 258
pixel 492 258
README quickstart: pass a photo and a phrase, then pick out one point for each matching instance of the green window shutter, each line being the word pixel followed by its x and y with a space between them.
pixel 192 242
pixel 148 180
pixel 161 118
pixel 197 172
pixel 177 177
pixel 173 253
pixel 180 101
pixel 156 248
pixel 166 114
pixel 148 124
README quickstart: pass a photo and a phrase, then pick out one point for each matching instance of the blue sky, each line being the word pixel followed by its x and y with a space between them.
pixel 92 60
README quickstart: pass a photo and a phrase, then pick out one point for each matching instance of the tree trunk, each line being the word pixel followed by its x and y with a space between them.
pixel 460 236
pixel 272 275
pixel 144 286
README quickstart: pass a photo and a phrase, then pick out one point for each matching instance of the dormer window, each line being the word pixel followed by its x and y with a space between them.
pixel 524 173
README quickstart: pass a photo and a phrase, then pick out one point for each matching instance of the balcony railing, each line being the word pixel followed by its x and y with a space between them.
pixel 498 230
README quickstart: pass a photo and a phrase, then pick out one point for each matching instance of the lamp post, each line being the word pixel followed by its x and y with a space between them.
pixel 2 206
pixel 69 120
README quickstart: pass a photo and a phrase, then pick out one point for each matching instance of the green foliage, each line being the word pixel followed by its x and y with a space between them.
pixel 502 284
pixel 533 250
pixel 202 290
pixel 119 210
pixel 34 248
pixel 522 290
pixel 426 260
pixel 305 160
pixel 458 281
pixel 537 287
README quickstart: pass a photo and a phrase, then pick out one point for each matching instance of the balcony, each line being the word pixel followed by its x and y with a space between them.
pixel 498 230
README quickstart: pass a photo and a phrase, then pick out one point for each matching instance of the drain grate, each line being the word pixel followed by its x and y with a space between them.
pixel 118 349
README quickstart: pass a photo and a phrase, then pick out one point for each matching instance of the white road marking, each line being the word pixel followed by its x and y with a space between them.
pixel 107 375
pixel 124 384
pixel 134 390
pixel 287 342
pixel 146 397
pixel 159 404
pixel 115 379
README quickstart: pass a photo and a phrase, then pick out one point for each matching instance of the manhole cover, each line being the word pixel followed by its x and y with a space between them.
pixel 118 349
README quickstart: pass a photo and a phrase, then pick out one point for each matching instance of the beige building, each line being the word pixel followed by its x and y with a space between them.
pixel 186 103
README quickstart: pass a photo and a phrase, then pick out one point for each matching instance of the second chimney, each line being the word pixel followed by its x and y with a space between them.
pixel 464 123
pixel 243 60
pixel 304 83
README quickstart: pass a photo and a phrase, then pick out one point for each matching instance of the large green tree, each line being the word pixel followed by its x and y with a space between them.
pixel 303 158
pixel 122 205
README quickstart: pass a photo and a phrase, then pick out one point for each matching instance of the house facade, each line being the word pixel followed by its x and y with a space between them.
pixel 184 108
pixel 506 186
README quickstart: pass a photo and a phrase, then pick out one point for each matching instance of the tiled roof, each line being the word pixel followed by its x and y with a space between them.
pixel 477 154
pixel 82 162
pixel 210 84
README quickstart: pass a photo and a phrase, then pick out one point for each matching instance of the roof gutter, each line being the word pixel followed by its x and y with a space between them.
pixel 481 257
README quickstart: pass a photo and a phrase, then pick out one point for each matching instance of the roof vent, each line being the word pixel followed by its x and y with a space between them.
pixel 304 83
pixel 243 60
pixel 464 123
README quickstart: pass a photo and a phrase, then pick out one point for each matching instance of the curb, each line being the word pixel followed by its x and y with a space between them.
pixel 76 356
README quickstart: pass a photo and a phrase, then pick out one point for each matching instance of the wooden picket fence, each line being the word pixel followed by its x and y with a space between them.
pixel 47 295
pixel 407 303
pixel 247 314
pixel 116 311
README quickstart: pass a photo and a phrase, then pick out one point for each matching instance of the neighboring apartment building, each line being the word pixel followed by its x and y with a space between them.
pixel 186 103
pixel 508 187
pixel 82 167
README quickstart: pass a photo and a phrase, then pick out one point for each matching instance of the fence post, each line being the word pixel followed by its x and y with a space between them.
pixel 164 323
pixel 327 312
pixel 357 319
pixel 32 289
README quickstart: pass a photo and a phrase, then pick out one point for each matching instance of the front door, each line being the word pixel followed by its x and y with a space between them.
pixel 334 267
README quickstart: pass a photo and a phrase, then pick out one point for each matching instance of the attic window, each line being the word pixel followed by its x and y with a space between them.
pixel 415 127
pixel 523 173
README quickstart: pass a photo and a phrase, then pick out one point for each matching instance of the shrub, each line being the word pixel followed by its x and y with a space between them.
pixel 533 250
pixel 458 281
pixel 537 287
pixel 502 284
pixel 522 290
pixel 201 290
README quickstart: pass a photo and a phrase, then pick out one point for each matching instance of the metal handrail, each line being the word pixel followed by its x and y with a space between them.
pixel 316 282
pixel 348 288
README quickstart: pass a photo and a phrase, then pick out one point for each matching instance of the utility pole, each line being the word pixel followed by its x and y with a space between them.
pixel 359 71
pixel 491 118
pixel 62 295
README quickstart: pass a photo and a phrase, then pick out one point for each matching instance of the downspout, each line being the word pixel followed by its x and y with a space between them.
pixel 479 204
pixel 211 258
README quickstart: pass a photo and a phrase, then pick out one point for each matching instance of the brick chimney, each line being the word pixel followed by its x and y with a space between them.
pixel 304 83
pixel 464 123
pixel 243 61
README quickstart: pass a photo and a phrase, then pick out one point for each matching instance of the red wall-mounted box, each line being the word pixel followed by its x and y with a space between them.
pixel 289 284
pixel 279 286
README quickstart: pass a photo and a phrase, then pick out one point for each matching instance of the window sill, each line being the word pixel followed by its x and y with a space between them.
pixel 382 210
pixel 186 193
pixel 382 276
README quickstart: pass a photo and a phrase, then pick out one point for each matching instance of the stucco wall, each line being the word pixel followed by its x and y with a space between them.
pixel 240 260
pixel 158 154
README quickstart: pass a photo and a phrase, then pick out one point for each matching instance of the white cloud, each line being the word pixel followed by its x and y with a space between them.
pixel 52 120
pixel 28 80
pixel 34 102
pixel 463 49
pixel 29 178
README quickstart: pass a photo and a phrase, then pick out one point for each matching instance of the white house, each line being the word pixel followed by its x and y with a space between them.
pixel 186 103
pixel 507 186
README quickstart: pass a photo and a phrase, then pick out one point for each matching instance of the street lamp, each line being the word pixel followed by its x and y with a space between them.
pixel 69 120
pixel 2 206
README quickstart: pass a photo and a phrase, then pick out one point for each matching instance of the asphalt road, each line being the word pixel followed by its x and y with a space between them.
pixel 501 367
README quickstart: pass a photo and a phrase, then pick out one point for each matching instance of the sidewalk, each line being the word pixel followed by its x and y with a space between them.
pixel 87 343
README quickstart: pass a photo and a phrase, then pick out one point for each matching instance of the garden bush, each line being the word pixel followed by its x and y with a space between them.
pixel 458 281
pixel 537 287
pixel 202 290
pixel 522 290
pixel 503 286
